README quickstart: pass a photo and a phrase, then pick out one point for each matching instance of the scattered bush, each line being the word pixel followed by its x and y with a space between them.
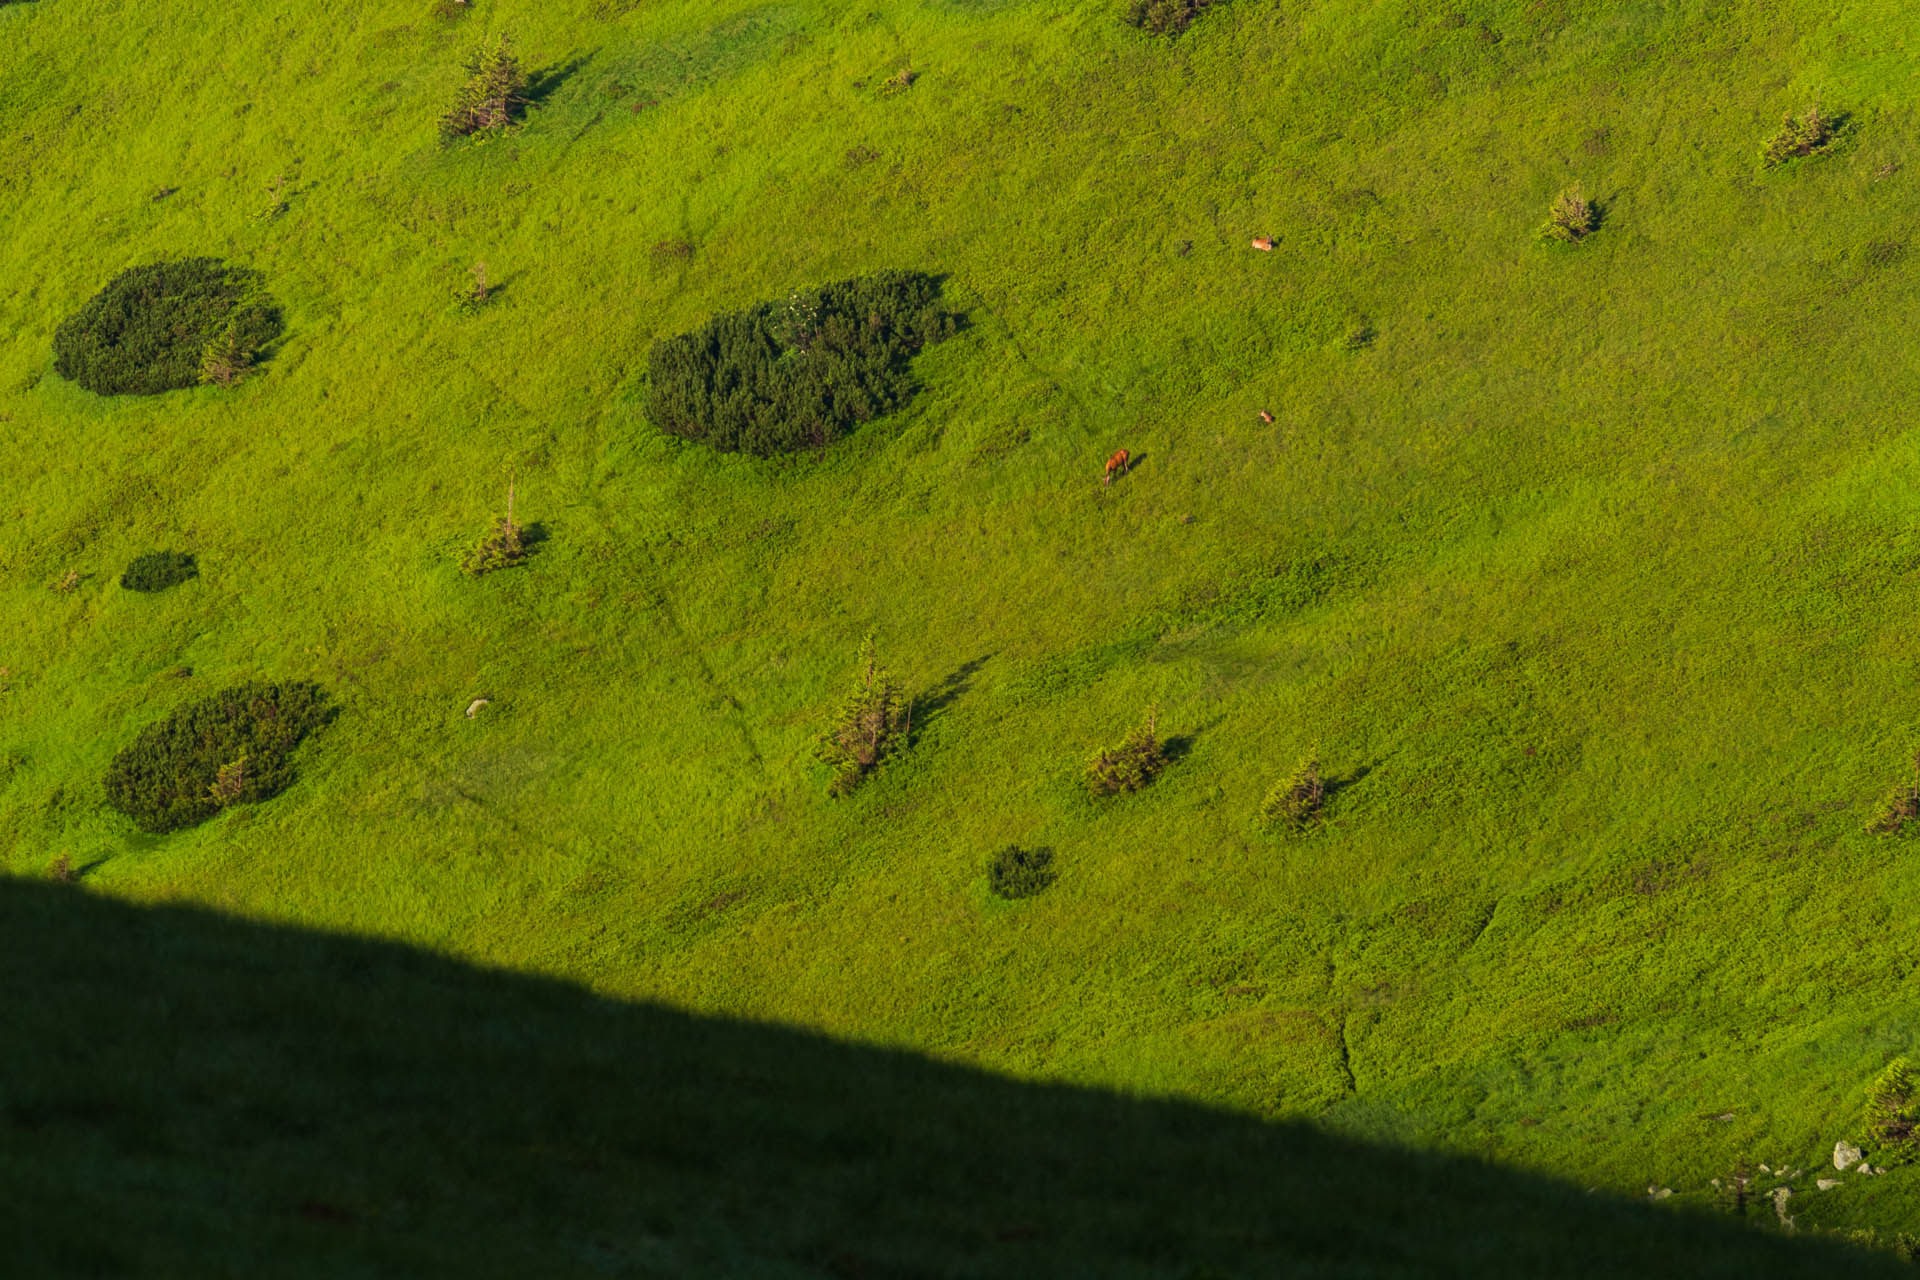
pixel 1796 139
pixel 872 723
pixel 505 546
pixel 233 747
pixel 494 96
pixel 1132 765
pixel 158 570
pixel 61 872
pixel 149 330
pixel 1294 802
pixel 67 583
pixel 1901 808
pixel 1165 17
pixel 785 376
pixel 1893 1110
pixel 1020 873
pixel 1571 219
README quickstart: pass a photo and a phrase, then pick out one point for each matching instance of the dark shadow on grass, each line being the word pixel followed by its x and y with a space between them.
pixel 1334 786
pixel 188 1094
pixel 544 83
pixel 929 707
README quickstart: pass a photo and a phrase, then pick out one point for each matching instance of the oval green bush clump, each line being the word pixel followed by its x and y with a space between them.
pixel 1020 873
pixel 233 747
pixel 148 330
pixel 783 376
pixel 158 570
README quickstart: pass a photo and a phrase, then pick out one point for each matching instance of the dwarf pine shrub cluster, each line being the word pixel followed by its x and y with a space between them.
pixel 1165 17
pixel 797 374
pixel 1020 873
pixel 233 747
pixel 152 328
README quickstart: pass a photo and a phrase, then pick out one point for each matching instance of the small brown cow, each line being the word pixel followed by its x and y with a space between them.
pixel 1263 244
pixel 1118 462
pixel 1265 416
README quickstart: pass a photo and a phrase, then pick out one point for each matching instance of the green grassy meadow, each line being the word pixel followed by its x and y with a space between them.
pixel 1590 571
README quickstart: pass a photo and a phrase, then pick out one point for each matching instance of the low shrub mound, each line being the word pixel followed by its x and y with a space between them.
pixel 797 374
pixel 1809 135
pixel 1020 873
pixel 233 747
pixel 151 328
pixel 158 570
pixel 1131 766
pixel 1166 17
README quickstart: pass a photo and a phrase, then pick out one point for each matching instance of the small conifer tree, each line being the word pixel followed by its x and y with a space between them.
pixel 1295 800
pixel 494 95
pixel 872 724
pixel 1893 1109
pixel 1572 217
pixel 1901 808
pixel 504 546
pixel 1809 135
pixel 1131 766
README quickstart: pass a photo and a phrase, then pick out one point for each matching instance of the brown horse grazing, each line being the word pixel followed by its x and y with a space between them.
pixel 1118 462
pixel 1263 244
pixel 1265 416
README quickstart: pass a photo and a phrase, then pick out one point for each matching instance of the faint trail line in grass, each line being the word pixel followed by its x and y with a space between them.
pixel 657 597
pixel 1486 922
pixel 1044 374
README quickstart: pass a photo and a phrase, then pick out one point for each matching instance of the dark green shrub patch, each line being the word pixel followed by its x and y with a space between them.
pixel 1165 17
pixel 797 374
pixel 234 747
pixel 872 724
pixel 149 330
pixel 1131 766
pixel 1020 873
pixel 158 570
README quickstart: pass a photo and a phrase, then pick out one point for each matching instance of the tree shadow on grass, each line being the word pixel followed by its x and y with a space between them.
pixel 187 1094
pixel 547 81
pixel 930 707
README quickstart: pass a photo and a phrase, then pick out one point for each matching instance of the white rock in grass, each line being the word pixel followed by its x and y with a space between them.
pixel 1780 1197
pixel 473 708
pixel 1845 1154
pixel 1827 1184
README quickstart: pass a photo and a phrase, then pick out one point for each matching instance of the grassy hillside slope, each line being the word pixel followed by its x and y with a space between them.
pixel 1589 572
pixel 220 1098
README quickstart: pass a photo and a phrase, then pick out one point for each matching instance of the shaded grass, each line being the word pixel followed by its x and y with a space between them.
pixel 214 1097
